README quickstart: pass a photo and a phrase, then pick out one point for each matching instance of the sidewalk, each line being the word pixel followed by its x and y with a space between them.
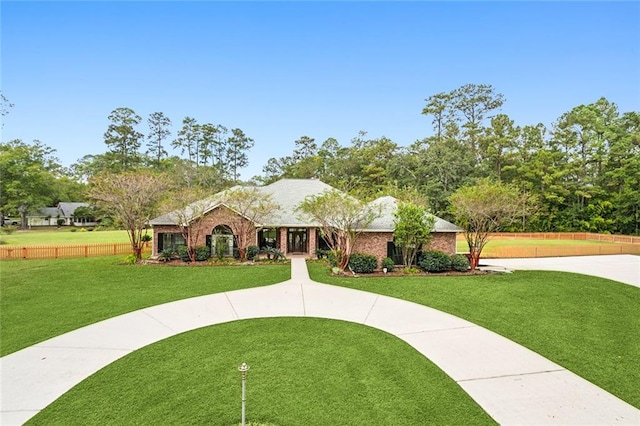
pixel 511 383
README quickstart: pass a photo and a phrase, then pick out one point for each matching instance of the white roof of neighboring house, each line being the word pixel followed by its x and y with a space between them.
pixel 289 193
pixel 62 210
pixel 67 209
pixel 46 212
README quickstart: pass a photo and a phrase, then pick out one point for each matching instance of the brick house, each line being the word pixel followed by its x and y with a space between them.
pixel 284 230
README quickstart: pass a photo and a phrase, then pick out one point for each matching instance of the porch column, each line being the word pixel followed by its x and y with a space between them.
pixel 312 244
pixel 283 233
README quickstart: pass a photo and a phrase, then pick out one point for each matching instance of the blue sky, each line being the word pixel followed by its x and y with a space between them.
pixel 280 70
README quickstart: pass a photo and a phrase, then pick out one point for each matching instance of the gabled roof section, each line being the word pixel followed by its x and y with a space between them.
pixel 46 212
pixel 67 209
pixel 385 223
pixel 63 209
pixel 288 194
pixel 174 217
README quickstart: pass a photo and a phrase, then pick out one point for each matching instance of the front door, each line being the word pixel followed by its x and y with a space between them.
pixel 297 240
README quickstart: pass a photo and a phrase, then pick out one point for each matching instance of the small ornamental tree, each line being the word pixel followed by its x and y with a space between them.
pixel 484 208
pixel 132 198
pixel 413 226
pixel 187 216
pixel 341 219
pixel 250 206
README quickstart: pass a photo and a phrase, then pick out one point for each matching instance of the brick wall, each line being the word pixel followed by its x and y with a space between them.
pixel 205 226
pixel 162 229
pixel 375 243
pixel 443 241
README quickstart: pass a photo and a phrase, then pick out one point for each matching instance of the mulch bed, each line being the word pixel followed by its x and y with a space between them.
pixel 417 274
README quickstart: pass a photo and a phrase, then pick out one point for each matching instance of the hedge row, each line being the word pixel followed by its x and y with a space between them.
pixel 431 261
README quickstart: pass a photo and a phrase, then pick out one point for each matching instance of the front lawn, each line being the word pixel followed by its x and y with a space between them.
pixel 41 299
pixel 54 236
pixel 304 371
pixel 588 325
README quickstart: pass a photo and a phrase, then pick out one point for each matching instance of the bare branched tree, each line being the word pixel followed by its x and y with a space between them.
pixel 132 198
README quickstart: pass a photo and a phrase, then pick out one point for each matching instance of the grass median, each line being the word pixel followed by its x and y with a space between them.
pixel 588 325
pixel 304 371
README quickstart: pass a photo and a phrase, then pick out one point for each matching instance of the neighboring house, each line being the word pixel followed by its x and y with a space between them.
pixel 284 230
pixel 48 216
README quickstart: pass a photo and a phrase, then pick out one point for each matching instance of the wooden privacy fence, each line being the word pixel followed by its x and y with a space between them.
pixel 611 244
pixel 580 236
pixel 61 251
pixel 559 251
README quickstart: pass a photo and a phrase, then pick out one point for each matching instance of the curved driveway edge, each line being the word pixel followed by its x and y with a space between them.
pixel 511 383
pixel 624 268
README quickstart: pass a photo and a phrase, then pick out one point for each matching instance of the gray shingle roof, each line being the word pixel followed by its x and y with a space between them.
pixel 289 193
pixel 67 209
pixel 46 212
pixel 64 209
pixel 385 223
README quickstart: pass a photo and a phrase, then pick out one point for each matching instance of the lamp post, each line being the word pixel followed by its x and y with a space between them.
pixel 243 369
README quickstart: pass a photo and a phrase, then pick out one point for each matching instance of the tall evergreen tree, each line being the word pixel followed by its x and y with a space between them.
pixel 123 139
pixel 159 131
pixel 237 158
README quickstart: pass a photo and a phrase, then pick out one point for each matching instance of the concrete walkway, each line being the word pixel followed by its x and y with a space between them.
pixel 624 268
pixel 513 384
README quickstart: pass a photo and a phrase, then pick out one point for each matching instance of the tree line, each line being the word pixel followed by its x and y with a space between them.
pixel 211 155
pixel 582 173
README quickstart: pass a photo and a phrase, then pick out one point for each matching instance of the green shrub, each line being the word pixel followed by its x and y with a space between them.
pixel 459 262
pixel 9 229
pixel 363 263
pixel 252 252
pixel 183 253
pixel 73 230
pixel 388 263
pixel 332 256
pixel 202 253
pixel 278 254
pixel 321 254
pixel 435 261
pixel 83 230
pixel 60 222
pixel 166 255
pixel 273 253
pixel 146 238
pixel 130 259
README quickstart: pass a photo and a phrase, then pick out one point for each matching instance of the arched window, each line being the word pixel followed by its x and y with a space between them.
pixel 222 241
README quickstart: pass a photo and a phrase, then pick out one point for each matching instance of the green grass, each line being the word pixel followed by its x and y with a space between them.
pixel 304 371
pixel 49 236
pixel 40 299
pixel 588 325
pixel 462 247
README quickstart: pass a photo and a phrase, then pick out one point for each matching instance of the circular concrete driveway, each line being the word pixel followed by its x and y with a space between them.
pixel 624 268
pixel 513 384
